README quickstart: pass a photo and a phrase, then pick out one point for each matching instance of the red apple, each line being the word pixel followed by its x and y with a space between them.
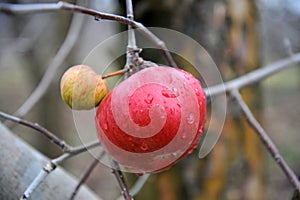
pixel 152 119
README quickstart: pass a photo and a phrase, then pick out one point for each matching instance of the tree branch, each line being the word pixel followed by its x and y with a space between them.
pixel 61 55
pixel 50 167
pixel 121 180
pixel 19 165
pixel 53 138
pixel 86 174
pixel 136 188
pixel 42 7
pixel 131 35
pixel 266 140
pixel 254 76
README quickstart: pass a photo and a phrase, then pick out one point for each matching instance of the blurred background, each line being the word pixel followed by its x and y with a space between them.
pixel 240 35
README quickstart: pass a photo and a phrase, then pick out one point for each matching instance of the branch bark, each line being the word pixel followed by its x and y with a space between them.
pixel 255 75
pixel 44 7
pixel 20 164
pixel 266 140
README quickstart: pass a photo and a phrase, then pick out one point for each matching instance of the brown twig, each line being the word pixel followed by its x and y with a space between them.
pixel 121 181
pixel 266 140
pixel 53 138
pixel 86 174
pixel 119 72
pixel 254 76
pixel 42 7
pixel 136 188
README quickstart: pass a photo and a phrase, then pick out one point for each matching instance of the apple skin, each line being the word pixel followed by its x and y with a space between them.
pixel 81 88
pixel 152 119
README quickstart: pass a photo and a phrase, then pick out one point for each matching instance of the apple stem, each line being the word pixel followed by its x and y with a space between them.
pixel 116 73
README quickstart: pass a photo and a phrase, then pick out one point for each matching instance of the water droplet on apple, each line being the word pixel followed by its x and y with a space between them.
pixel 175 91
pixel 163 117
pixel 190 119
pixel 190 151
pixel 187 76
pixel 105 127
pixel 184 134
pixel 144 147
pixel 149 98
pixel 194 146
pixel 201 129
pixel 169 93
pixel 172 110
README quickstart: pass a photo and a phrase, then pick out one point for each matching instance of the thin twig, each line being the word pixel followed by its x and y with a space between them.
pixel 42 7
pixel 254 76
pixel 132 49
pixel 63 52
pixel 139 184
pixel 119 72
pixel 121 180
pixel 38 179
pixel 86 174
pixel 53 138
pixel 267 141
pixel 51 166
pixel 79 149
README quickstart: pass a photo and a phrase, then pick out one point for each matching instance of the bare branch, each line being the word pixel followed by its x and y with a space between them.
pixel 254 76
pixel 51 166
pixel 49 75
pixel 38 179
pixel 266 140
pixel 79 149
pixel 121 181
pixel 86 174
pixel 42 7
pixel 19 163
pixel 131 35
pixel 136 188
pixel 53 138
pixel 132 50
